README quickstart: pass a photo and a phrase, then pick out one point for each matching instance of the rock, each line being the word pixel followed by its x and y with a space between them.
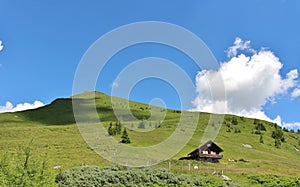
pixel 57 167
pixel 247 146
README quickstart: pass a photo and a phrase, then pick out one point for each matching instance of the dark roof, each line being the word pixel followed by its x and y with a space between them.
pixel 209 144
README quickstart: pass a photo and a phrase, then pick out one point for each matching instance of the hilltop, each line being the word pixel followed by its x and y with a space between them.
pixel 250 146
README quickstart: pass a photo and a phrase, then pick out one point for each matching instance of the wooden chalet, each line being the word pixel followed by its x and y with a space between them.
pixel 208 152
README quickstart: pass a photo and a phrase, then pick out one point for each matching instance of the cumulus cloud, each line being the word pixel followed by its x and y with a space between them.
pixel 239 44
pixel 1 46
pixel 295 93
pixel 295 125
pixel 250 82
pixel 9 107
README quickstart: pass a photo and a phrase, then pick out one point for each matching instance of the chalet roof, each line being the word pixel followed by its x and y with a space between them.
pixel 209 144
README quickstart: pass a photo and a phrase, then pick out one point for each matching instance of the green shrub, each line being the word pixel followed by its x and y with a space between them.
pixel 274 180
pixel 117 176
pixel 237 130
pixel 257 132
pixel 23 169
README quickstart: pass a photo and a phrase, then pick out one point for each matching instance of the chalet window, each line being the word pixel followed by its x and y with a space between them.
pixel 213 153
pixel 204 152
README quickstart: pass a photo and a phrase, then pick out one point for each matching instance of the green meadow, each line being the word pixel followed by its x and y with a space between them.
pixel 248 148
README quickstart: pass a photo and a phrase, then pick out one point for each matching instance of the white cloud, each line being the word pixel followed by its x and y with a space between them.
pixel 296 93
pixel 290 81
pixel 1 46
pixel 8 107
pixel 239 44
pixel 115 84
pixel 295 125
pixel 250 81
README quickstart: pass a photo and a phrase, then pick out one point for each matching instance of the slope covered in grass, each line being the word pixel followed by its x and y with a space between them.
pixel 54 131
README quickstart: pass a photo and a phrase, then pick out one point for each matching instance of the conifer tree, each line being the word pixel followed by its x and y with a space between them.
pixel 118 128
pixel 110 130
pixel 277 143
pixel 261 139
pixel 125 137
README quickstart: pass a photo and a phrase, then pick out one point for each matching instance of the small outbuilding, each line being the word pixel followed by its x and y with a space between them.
pixel 208 152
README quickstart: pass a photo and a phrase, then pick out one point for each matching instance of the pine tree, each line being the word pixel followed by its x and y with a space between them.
pixel 125 137
pixel 234 121
pixel 118 128
pixel 277 143
pixel 110 130
pixel 261 139
pixel 237 130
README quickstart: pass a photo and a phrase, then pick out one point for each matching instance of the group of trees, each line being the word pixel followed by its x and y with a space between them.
pixel 116 129
pixel 232 121
pixel 143 124
pixel 278 136
pixel 259 126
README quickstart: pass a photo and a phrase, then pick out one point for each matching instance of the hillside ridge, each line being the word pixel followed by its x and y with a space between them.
pixel 271 149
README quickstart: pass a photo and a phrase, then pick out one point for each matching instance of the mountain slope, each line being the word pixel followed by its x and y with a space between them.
pixel 54 131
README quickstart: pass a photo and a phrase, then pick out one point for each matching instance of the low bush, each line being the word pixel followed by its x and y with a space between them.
pixel 22 169
pixel 273 181
pixel 120 176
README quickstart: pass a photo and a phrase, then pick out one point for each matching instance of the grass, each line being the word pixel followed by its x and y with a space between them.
pixel 54 132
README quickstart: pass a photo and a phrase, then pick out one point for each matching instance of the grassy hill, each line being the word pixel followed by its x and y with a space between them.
pixel 54 132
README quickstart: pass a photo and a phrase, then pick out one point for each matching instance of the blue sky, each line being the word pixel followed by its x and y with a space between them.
pixel 43 42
